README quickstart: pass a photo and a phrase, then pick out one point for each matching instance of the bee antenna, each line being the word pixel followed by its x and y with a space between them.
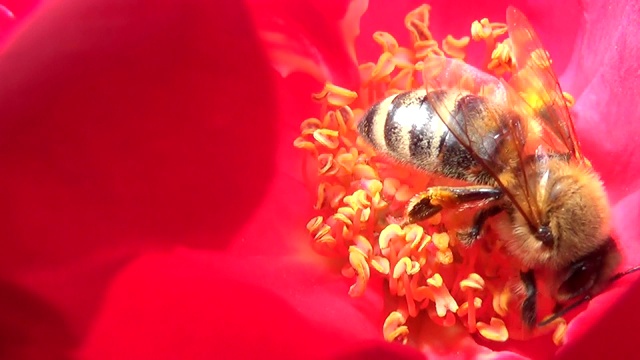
pixel 586 298
pixel 620 275
pixel 564 310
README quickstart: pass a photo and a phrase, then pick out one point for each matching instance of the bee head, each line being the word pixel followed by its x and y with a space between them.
pixel 575 214
pixel 574 219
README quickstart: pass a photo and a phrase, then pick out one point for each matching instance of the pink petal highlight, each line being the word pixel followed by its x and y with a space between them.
pixel 611 334
pixel 13 14
pixel 604 74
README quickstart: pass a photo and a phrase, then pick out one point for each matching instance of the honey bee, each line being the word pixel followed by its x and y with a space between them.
pixel 514 145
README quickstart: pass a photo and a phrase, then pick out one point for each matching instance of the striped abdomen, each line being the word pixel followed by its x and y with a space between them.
pixel 407 128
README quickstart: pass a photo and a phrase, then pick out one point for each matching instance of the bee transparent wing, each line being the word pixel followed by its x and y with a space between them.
pixel 497 135
pixel 537 84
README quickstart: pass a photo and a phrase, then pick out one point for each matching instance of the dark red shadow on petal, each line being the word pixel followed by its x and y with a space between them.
pixel 25 320
pixel 126 124
pixel 381 351
pixel 538 348
pixel 188 304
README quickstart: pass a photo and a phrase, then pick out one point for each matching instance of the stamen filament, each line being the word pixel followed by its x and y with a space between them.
pixel 362 197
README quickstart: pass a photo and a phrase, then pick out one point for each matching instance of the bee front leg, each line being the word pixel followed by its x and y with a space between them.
pixel 529 306
pixel 470 236
pixel 430 202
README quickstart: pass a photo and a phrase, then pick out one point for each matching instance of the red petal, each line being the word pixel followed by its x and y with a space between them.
pixel 379 351
pixel 25 320
pixel 623 295
pixel 127 125
pixel 613 336
pixel 317 33
pixel 197 304
pixel 604 75
pixel 601 73
pixel 313 37
pixel 12 14
pixel 120 122
pixel 277 226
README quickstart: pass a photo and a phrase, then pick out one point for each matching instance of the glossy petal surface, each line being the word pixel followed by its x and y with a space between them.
pixel 187 304
pixel 119 120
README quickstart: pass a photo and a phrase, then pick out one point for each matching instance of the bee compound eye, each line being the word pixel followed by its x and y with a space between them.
pixel 580 279
pixel 544 235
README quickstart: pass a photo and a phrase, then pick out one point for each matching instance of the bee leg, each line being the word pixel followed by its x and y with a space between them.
pixel 420 207
pixel 529 306
pixel 430 202
pixel 481 217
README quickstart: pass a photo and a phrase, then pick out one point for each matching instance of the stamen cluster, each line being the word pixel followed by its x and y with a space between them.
pixel 361 198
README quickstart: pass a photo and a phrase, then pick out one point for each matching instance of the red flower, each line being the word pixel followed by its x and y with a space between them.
pixel 153 205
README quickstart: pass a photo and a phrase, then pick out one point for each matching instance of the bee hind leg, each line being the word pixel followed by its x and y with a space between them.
pixel 430 202
pixel 420 208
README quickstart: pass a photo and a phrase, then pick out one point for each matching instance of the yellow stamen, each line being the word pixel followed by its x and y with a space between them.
pixel 394 328
pixel 336 96
pixel 417 22
pixel 455 48
pixel 495 330
pixel 502 58
pixel 386 41
pixel 569 99
pixel 470 312
pixel 443 299
pixel 362 197
pixel 441 241
pixel 314 225
pixel 358 260
pixel 559 333
pixel 384 67
pixel 501 300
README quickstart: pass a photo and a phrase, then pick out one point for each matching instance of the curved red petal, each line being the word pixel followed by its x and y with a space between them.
pixel 604 75
pixel 123 127
pixel 556 22
pixel 31 328
pixel 626 218
pixel 611 335
pixel 277 226
pixel 627 213
pixel 120 132
pixel 320 34
pixel 312 37
pixel 379 351
pixel 198 304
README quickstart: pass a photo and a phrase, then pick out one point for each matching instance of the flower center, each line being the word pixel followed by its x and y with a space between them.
pixel 361 199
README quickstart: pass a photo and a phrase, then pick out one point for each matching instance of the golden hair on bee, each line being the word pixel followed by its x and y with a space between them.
pixel 521 159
